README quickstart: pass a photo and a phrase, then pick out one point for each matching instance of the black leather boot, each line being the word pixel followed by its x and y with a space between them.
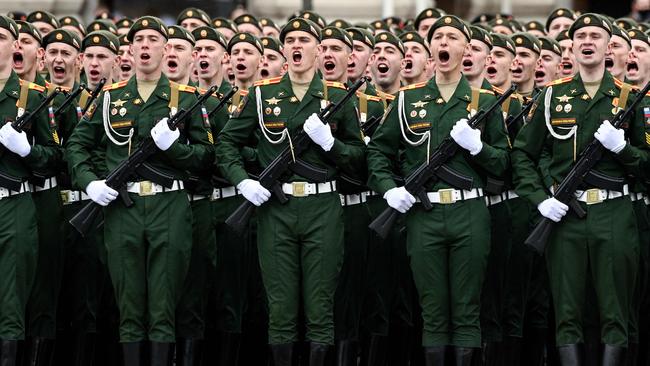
pixel 229 349
pixel 41 351
pixel 318 354
pixel 533 348
pixel 8 353
pixel 346 353
pixel 376 352
pixel 571 355
pixel 463 356
pixel 282 354
pixel 511 351
pixel 84 353
pixel 400 349
pixel 161 353
pixel 188 352
pixel 613 355
pixel 134 353
pixel 434 356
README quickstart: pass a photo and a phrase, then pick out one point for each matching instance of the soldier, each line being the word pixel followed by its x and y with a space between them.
pixel 502 26
pixel 19 159
pixel 386 63
pixel 102 24
pixel 73 25
pixel 225 26
pixel 523 66
pixel 43 21
pixel 269 28
pixel 559 21
pixel 155 234
pixel 451 315
pixel 569 67
pixel 638 64
pixel 274 64
pixel 417 62
pixel 363 44
pixel 29 53
pixel 308 248
pixel 123 26
pixel 475 57
pixel 570 113
pixel 535 28
pixel 246 54
pixel 549 62
pixel 247 23
pixel 498 65
pixel 124 69
pixel 178 58
pixel 617 53
pixel 425 20
pixel 192 18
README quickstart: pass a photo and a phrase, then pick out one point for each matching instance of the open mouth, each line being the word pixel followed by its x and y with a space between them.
pixel 383 68
pixel 491 71
pixel 518 71
pixel 264 73
pixel 539 74
pixel 443 56
pixel 296 56
pixel 18 59
pixel 632 67
pixel 567 68
pixel 408 65
pixel 59 71
pixel 145 57
pixel 204 65
pixel 93 73
pixel 172 65
pixel 587 52
pixel 329 65
pixel 125 67
pixel 240 67
pixel 609 63
pixel 467 63
pixel 351 65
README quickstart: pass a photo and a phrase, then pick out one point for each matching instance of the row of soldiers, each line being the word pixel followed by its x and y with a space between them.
pixel 306 275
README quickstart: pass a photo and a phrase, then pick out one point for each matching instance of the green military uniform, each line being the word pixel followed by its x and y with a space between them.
pixel 450 243
pixel 602 245
pixel 301 240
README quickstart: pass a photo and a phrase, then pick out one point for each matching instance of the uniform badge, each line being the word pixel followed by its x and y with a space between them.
pixel 567 108
pixel 137 101
pixel 440 101
pixel 122 112
pixel 277 111
pixel 615 110
pixel 585 97
pixel 272 101
pixel 419 104
pixel 113 111
pixel 423 113
pixel 293 100
pixel 558 108
pixel 564 98
pixel 414 113
pixel 268 110
pixel 118 103
pixel 646 115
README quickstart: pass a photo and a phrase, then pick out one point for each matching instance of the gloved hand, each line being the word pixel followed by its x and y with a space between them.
pixel 468 138
pixel 319 132
pixel 613 139
pixel 163 136
pixel 553 209
pixel 399 198
pixel 253 191
pixel 100 193
pixel 15 141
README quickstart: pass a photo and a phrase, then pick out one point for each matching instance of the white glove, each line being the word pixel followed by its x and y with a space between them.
pixel 253 191
pixel 319 132
pixel 100 193
pixel 15 141
pixel 163 136
pixel 613 139
pixel 468 138
pixel 399 198
pixel 553 209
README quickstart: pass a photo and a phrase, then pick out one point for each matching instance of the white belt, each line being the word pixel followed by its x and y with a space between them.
pixel 24 187
pixel 69 197
pixel 449 196
pixel 219 193
pixel 148 188
pixel 647 200
pixel 304 189
pixel 507 195
pixel 354 199
pixel 638 196
pixel 49 184
pixel 596 195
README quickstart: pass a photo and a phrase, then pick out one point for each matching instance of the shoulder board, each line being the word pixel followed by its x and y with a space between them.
pixel 270 81
pixel 386 96
pixel 32 86
pixel 497 90
pixel 413 86
pixel 186 88
pixel 115 85
pixel 485 91
pixel 560 81
pixel 243 92
pixel 373 98
pixel 336 84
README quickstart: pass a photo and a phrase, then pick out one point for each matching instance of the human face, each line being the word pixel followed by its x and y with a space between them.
pixel 249 28
pixel 301 51
pixel 125 67
pixel 271 32
pixel 447 48
pixel 359 59
pixel 208 55
pixel 27 54
pixel 122 31
pixel 190 24
pixel 569 65
pixel 61 60
pixel 638 64
pixel 8 46
pixel 333 60
pixel 616 56
pixel 423 28
pixel 416 62
pixel 590 46
pixel 274 64
pixel 227 33
pixel 178 62
pixel 523 66
pixel 148 50
pixel 245 59
pixel 475 58
pixel 43 28
pixel 498 66
pixel 548 68
pixel 74 30
pixel 99 62
pixel 385 64
pixel 559 25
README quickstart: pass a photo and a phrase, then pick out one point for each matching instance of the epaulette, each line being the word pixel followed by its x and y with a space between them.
pixel 560 81
pixel 336 84
pixel 413 86
pixel 485 91
pixel 214 95
pixel 49 85
pixel 243 92
pixel 186 88
pixel 117 85
pixel 32 86
pixel 501 91
pixel 270 81
pixel 373 98
pixel 386 96
pixel 619 84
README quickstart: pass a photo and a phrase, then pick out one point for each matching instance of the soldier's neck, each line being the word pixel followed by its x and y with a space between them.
pixel 244 84
pixel 417 79
pixel 29 75
pixel 343 79
pixel 620 76
pixel 184 80
pixel 475 81
pixel 217 79
pixel 526 87
pixel 5 72
pixel 389 89
pixel 591 74
pixel 66 84
pixel 639 83
pixel 150 76
pixel 505 86
pixel 448 77
pixel 303 77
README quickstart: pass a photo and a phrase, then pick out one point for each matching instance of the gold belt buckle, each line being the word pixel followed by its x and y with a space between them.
pixel 65 196
pixel 298 189
pixel 593 196
pixel 146 188
pixel 447 196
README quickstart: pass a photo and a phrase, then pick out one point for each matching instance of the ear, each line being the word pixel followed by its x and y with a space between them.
pixel 285 67
pixel 131 50
pixel 195 55
pixel 609 48
pixel 40 52
pixel 372 59
pixel 14 46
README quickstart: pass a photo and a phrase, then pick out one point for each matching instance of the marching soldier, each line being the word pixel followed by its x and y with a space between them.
pixel 29 53
pixel 386 63
pixel 43 21
pixel 571 112
pixel 302 240
pixel 569 66
pixel 559 21
pixel 192 18
pixel 274 63
pixel 417 63
pixel 18 160
pixel 617 52
pixel 125 67
pixel 549 62
pixel 178 59
pixel 476 56
pixel 148 244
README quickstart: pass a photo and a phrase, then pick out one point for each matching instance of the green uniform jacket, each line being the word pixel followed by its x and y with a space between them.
pixel 191 152
pixel 425 110
pixel 281 109
pixel 571 108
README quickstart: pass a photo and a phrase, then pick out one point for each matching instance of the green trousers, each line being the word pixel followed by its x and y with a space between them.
pixel 190 313
pixel 18 256
pixel 148 247
pixel 301 244
pixel 641 288
pixel 606 245
pixel 43 301
pixel 449 247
